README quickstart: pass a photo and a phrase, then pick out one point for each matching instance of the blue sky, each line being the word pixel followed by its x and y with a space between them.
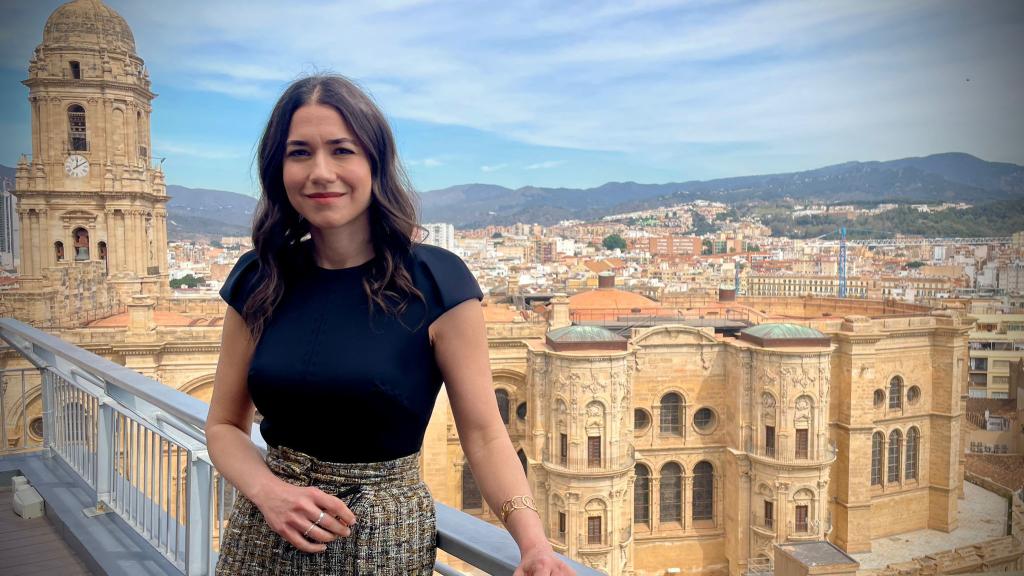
pixel 573 93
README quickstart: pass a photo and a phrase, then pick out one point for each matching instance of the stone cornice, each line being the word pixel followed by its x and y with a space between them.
pixel 506 344
pixel 92 196
pixel 41 83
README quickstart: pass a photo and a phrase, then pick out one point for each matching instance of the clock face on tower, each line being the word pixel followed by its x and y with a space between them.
pixel 76 166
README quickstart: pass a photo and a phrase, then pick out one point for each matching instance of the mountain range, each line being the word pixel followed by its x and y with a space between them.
pixel 949 177
pixel 938 178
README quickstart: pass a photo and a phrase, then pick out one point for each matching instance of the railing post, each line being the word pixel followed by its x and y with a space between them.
pixel 104 453
pixel 49 423
pixel 198 519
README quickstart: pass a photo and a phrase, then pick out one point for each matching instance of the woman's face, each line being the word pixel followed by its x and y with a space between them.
pixel 326 172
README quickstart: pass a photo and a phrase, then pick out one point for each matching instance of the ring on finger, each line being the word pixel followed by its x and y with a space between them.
pixel 319 518
pixel 306 533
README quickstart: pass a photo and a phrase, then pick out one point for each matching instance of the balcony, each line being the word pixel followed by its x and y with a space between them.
pixel 131 454
pixel 792 458
pixel 806 530
pixel 611 462
pixel 764 525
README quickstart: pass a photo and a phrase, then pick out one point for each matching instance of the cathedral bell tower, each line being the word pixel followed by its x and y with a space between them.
pixel 91 205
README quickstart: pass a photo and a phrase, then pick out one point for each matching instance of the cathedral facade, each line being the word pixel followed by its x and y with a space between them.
pixel 649 448
pixel 675 447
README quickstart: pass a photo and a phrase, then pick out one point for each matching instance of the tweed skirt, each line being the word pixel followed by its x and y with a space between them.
pixel 394 534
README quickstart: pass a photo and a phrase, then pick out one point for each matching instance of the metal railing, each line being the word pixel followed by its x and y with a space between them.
pixel 141 447
pixel 573 461
pixel 765 523
pixel 808 528
pixel 760 566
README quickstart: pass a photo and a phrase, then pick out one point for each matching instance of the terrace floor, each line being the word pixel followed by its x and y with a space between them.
pixel 982 517
pixel 33 547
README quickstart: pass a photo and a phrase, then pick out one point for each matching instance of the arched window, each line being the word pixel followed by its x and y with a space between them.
pixel 523 461
pixel 102 247
pixel 76 70
pixel 670 492
pixel 471 499
pixel 503 404
pixel 81 236
pixel 671 422
pixel 77 140
pixel 895 447
pixel 876 458
pixel 913 439
pixel 642 495
pixel 895 393
pixel 58 251
pixel 703 491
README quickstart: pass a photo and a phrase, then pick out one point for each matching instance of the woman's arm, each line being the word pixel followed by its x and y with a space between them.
pixel 460 346
pixel 288 509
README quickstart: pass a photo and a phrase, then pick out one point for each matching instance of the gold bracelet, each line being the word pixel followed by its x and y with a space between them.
pixel 517 503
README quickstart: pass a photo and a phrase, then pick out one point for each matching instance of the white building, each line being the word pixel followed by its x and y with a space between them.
pixel 441 235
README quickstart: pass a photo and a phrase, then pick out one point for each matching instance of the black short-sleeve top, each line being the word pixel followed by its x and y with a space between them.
pixel 337 382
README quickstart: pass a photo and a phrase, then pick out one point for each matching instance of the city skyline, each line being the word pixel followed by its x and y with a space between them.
pixel 499 96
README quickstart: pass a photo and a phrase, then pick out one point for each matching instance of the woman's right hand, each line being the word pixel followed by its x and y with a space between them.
pixel 290 510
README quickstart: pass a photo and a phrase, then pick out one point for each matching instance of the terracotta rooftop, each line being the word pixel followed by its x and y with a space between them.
pixel 610 298
pixel 499 312
pixel 1005 469
pixel 1005 408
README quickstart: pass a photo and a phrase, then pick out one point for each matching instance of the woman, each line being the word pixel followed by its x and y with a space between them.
pixel 340 331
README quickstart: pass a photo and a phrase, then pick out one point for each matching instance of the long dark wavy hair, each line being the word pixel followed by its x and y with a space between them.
pixel 278 228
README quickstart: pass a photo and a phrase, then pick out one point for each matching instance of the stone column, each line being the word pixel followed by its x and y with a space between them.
pixel 37 131
pixel 37 245
pixel 128 242
pixel 141 242
pixel 25 244
pixel 655 501
pixel 782 513
pixel 686 497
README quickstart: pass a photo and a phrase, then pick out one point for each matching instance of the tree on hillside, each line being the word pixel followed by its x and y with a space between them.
pixel 701 226
pixel 614 242
pixel 188 281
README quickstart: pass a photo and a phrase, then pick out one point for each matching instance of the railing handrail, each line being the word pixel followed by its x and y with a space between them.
pixel 183 407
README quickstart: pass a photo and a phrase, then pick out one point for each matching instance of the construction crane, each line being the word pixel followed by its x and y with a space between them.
pixel 884 242
pixel 842 257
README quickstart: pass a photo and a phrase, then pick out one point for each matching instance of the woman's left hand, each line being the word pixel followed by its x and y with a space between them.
pixel 541 561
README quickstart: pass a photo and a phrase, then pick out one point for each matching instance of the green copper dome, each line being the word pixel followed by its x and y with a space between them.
pixel 778 331
pixel 589 338
pixel 583 334
pixel 781 334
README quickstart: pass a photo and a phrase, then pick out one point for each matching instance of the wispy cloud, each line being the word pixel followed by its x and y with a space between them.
pixel 545 165
pixel 724 87
pixel 604 77
pixel 165 148
pixel 425 162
